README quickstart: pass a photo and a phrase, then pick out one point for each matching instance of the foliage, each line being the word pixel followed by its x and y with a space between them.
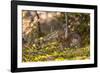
pixel 80 23
pixel 51 52
pixel 55 36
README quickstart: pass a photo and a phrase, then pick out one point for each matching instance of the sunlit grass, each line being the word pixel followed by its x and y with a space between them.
pixel 52 52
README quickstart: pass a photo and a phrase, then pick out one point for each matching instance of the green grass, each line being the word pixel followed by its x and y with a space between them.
pixel 52 52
